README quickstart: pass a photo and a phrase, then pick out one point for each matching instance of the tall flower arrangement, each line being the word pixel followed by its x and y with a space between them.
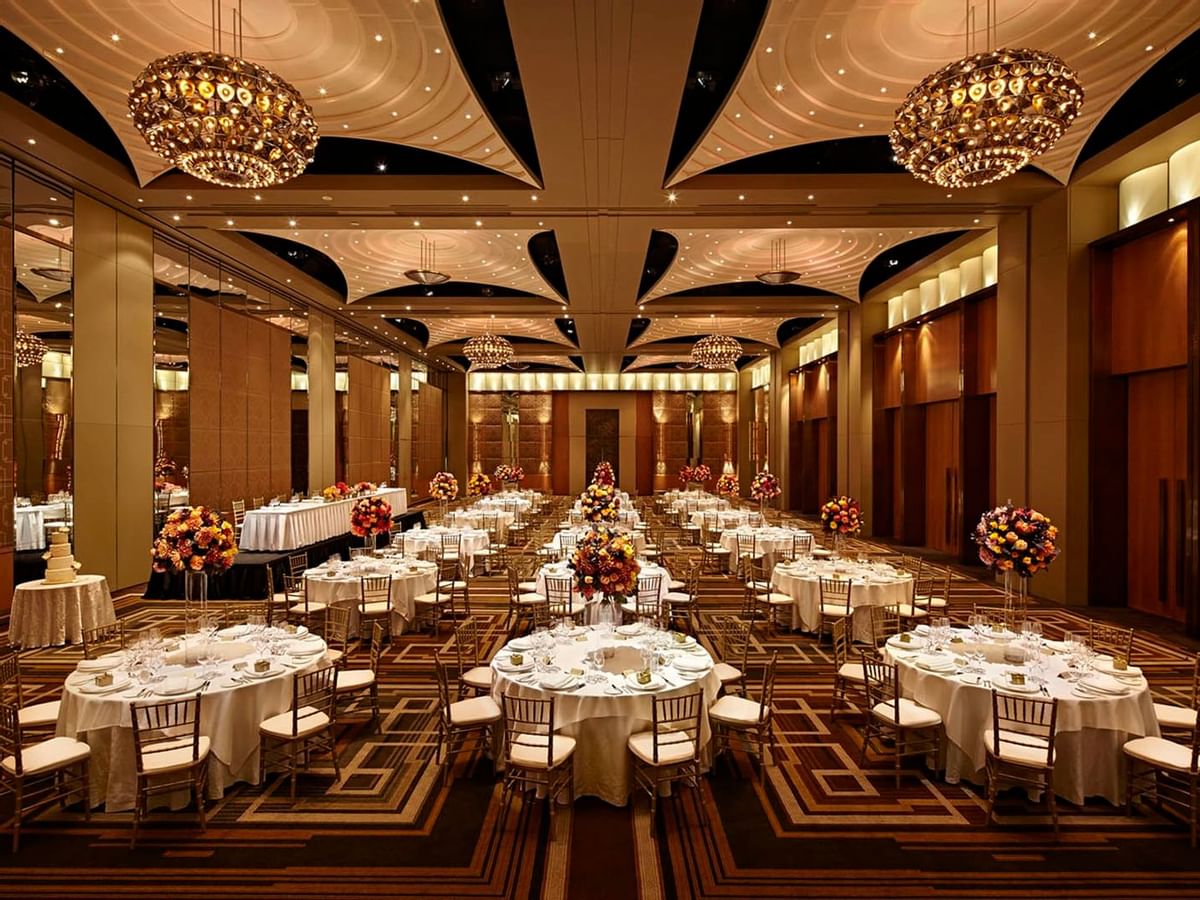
pixel 604 473
pixel 479 485
pixel 443 487
pixel 370 516
pixel 365 487
pixel 507 474
pixel 727 485
pixel 600 503
pixel 764 487
pixel 605 562
pixel 685 475
pixel 1016 539
pixel 842 515
pixel 701 473
pixel 194 539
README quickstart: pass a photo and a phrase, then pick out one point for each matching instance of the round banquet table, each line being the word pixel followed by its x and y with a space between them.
pixel 428 542
pixel 46 615
pixel 1090 730
pixel 725 518
pixel 511 501
pixel 476 518
pixel 229 716
pixel 561 570
pixel 696 501
pixel 602 716
pixel 872 586
pixel 768 542
pixel 410 579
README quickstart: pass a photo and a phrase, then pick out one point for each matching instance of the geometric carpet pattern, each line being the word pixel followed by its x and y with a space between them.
pixel 816 824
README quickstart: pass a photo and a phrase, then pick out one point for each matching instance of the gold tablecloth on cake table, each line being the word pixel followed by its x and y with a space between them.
pixel 45 615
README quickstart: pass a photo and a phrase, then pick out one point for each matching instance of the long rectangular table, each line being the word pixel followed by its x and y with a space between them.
pixel 290 526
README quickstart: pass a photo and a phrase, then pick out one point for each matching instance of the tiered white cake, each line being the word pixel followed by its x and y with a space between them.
pixel 60 563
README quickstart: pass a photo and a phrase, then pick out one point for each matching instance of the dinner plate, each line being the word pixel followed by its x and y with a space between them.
pixel 629 629
pixel 172 687
pixel 101 663
pixel 1026 688
pixel 692 664
pixel 1128 672
pixel 119 684
pixel 521 644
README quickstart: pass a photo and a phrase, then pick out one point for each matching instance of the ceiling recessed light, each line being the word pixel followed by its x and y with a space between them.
pixel 229 221
pixel 466 115
pixel 672 197
pixel 741 196
pixel 771 136
pixel 479 223
pixel 58 50
pixel 770 50
pixel 466 198
pixel 322 91
pixel 1149 47
pixel 394 114
pixel 883 90
pixel 175 218
pixel 53 222
pixel 188 197
pixel 1091 35
pixel 437 50
pixel 810 196
pixel 416 223
pixel 841 71
pixel 115 37
pixel 778 88
pixel 789 221
pixel 326 197
pixel 533 197
pixel 292 222
pixel 31 141
pixel 976 221
pixel 378 38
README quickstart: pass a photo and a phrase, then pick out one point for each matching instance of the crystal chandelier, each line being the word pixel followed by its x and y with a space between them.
pixel 984 117
pixel 427 274
pixel 222 118
pixel 29 349
pixel 779 274
pixel 716 351
pixel 487 351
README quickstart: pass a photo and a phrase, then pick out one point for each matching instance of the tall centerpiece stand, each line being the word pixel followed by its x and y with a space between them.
pixel 1018 542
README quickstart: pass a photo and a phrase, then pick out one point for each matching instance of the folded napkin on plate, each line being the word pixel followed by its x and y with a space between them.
pixel 101 663
pixel 558 680
pixel 1103 684
pixel 692 663
pixel 935 663
pixel 521 644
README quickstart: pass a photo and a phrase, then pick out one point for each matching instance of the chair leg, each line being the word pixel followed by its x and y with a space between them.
pixel 991 793
pixel 1053 804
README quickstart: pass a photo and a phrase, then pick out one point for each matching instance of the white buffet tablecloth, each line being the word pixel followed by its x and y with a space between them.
pixel 289 526
pixel 428 542
pixel 30 522
pixel 45 615
pixel 1091 730
pixel 599 716
pixel 230 715
pixel 410 579
pixel 873 585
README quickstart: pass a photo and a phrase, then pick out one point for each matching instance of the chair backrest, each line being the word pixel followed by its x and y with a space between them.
pixel 98 641
pixel 10 738
pixel 315 689
pixel 297 564
pixel 676 720
pixel 165 726
pixel 836 592
pixel 756 574
pixel 375 589
pixel 529 724
pixel 649 589
pixel 466 644
pixel 514 582
pixel 767 692
pixel 885 622
pixel 337 628
pixel 842 645
pixel 1111 639
pixel 10 679
pixel 443 683
pixel 256 503
pixel 241 613
pixel 735 641
pixel 567 541
pixel 293 585
pixel 922 585
pixel 558 592
pixel 451 543
pixel 1027 722
pixel 747 545
pixel 802 544
pixel 376 646
pixel 239 511
pixel 882 683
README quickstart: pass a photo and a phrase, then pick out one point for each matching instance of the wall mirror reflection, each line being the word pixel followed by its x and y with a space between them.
pixel 172 410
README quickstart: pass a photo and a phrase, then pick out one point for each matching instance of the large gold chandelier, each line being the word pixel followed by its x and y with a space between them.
pixel 984 117
pixel 29 349
pixel 716 351
pixel 488 351
pixel 224 119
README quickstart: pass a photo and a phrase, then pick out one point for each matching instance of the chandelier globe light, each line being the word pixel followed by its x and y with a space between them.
pixel 717 352
pixel 222 118
pixel 987 115
pixel 29 349
pixel 779 274
pixel 426 273
pixel 488 351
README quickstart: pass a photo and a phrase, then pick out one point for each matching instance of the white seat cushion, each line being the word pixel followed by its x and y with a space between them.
pixel 1168 716
pixel 1022 749
pixel 527 587
pixel 908 611
pixel 531 597
pixel 39 714
pixel 376 608
pixel 759 586
pixel 716 548
pixel 312 608
pixel 310 721
pixel 852 672
pixel 678 598
pixel 169 755
pixel 529 751
pixel 774 598
pixel 737 711
pixel 676 585
pixel 48 755
pixel 455 585
pixel 476 711
pixel 354 679
pixel 929 602
pixel 830 609
pixel 332 656
pixel 1160 752
pixel 911 715
pixel 727 673
pixel 672 749
pixel 478 677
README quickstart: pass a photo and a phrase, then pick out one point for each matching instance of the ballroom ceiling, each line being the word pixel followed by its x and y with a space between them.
pixel 600 179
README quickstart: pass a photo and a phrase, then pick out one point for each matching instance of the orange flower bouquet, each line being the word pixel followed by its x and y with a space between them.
pixel 600 503
pixel 605 562
pixel 842 515
pixel 194 539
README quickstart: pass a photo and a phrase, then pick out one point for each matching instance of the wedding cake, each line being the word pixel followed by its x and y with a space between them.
pixel 60 563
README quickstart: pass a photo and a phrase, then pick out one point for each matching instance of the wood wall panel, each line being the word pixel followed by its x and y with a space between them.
pixel 942 474
pixel 937 363
pixel 560 454
pixel 888 362
pixel 979 324
pixel 368 422
pixel 7 388
pixel 429 438
pixel 1149 302
pixel 644 441
pixel 718 429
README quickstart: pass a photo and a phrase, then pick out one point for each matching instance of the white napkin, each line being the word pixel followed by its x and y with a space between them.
pixel 557 680
pixel 1104 684
pixel 692 663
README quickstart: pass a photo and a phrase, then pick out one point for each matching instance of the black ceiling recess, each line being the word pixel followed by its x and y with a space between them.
pixel 306 259
pixel 867 155
pixel 753 288
pixel 793 327
pixel 449 289
pixel 358 156
pixel 566 327
pixel 543 251
pixel 724 38
pixel 900 257
pixel 660 253
pixel 636 327
pixel 412 328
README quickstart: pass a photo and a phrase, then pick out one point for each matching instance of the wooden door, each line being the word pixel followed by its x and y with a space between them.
pixel 942 487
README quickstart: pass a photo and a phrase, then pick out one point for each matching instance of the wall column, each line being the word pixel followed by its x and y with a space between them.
pixel 857 327
pixel 745 418
pixel 404 423
pixel 322 433
pixel 780 432
pixel 114 398
pixel 457 428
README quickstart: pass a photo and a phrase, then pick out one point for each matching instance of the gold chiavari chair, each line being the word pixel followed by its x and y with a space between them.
pixel 686 601
pixel 646 600
pixel 670 750
pixel 711 551
pixel 535 755
pixel 561 601
pixel 1169 772
pixel 297 563
pixel 937 601
pixel 474 675
pixel 36 716
pixel 768 602
pixel 1174 719
pixel 375 601
pixel 170 754
pixel 1020 747
pixel 103 639
pixel 1114 640
pixel 848 676
pixel 461 721
pixel 734 644
pixel 742 722
pixel 835 603
pixel 352 682
pixel 884 623
pixel 894 724
pixel 290 738
pixel 239 518
pixel 302 607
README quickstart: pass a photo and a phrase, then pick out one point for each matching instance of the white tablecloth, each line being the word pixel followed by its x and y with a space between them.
pixel 428 542
pixel 871 587
pixel 601 723
pixel 725 518
pixel 695 500
pixel 479 518
pixel 345 589
pixel 520 502
pixel 30 522
pixel 767 542
pixel 45 615
pixel 289 526
pixel 230 716
pixel 1091 732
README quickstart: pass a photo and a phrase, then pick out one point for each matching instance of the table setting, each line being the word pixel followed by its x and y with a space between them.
pixel 427 542
pixel 721 519
pixel 338 582
pixel 874 584
pixel 770 542
pixel 479 517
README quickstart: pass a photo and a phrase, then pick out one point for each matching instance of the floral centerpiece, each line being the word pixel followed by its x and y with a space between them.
pixel 685 475
pixel 507 474
pixel 605 562
pixel 764 487
pixel 841 515
pixel 443 487
pixel 479 485
pixel 604 473
pixel 365 487
pixel 600 503
pixel 1016 539
pixel 728 485
pixel 370 516
pixel 338 491
pixel 701 473
pixel 198 542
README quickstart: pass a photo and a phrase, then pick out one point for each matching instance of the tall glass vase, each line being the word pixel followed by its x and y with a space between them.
pixel 195 595
pixel 608 610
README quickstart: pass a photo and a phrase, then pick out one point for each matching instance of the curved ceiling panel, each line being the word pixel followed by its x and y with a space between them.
pixel 444 329
pixel 375 260
pixel 829 259
pixel 763 329
pixel 827 69
pixel 370 68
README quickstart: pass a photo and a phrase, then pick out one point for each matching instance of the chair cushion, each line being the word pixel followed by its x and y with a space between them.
pixel 529 751
pixel 678 597
pixel 310 721
pixel 727 673
pixel 39 714
pixel 169 755
pixel 774 598
pixel 312 608
pixel 760 586
pixel 908 611
pixel 830 609
pixel 478 677
pixel 531 597
pixel 676 585
pixel 354 679
pixel 376 608
pixel 911 714
pixel 332 656
pixel 527 587
pixel 852 672
pixel 927 601
pixel 736 711
pixel 456 585
pixel 1160 752
pixel 716 548
pixel 1168 716
pixel 1022 749
pixel 476 711
pixel 48 755
pixel 672 750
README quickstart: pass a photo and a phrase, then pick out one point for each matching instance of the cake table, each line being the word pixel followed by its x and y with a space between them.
pixel 45 615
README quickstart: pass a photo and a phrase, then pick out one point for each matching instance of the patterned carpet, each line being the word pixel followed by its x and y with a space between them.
pixel 818 825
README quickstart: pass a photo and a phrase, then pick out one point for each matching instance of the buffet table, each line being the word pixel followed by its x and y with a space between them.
pixel 289 526
pixel 46 615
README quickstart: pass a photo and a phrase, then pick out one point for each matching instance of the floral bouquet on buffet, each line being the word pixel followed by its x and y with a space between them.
pixel 765 486
pixel 1016 539
pixel 479 485
pixel 685 475
pixel 842 515
pixel 365 487
pixel 603 473
pixel 443 486
pixel 605 562
pixel 194 539
pixel 370 516
pixel 728 485
pixel 337 491
pixel 600 503
pixel 701 473
pixel 506 474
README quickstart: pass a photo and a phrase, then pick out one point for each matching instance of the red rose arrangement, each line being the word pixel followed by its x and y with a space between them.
pixel 701 473
pixel 194 539
pixel 603 473
pixel 365 487
pixel 443 486
pixel 765 486
pixel 841 514
pixel 685 474
pixel 338 491
pixel 370 516
pixel 506 474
